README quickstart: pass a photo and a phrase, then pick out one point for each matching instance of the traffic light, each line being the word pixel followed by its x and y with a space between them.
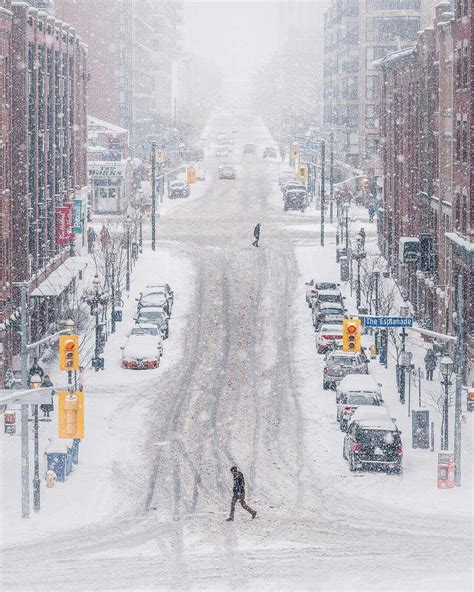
pixel 191 175
pixel 160 156
pixel 295 151
pixel 365 184
pixel 69 352
pixel 149 172
pixel 70 414
pixel 302 174
pixel 351 335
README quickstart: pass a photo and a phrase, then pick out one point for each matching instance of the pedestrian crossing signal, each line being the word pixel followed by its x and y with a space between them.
pixel 69 352
pixel 70 414
pixel 351 335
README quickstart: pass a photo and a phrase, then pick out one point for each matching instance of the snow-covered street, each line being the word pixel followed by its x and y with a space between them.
pixel 240 383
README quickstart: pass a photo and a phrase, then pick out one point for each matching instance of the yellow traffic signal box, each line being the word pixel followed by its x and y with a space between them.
pixel 160 156
pixel 351 335
pixel 191 175
pixel 71 414
pixel 69 352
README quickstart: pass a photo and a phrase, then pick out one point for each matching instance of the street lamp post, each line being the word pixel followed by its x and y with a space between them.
pixel 446 368
pixel 360 254
pixel 331 179
pixel 35 384
pixel 346 211
pixel 140 231
pixel 112 261
pixel 96 299
pixel 128 224
pixel 153 196
pixel 323 189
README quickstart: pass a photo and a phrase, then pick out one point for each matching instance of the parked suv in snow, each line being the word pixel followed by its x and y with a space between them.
pixel 373 440
pixel 339 364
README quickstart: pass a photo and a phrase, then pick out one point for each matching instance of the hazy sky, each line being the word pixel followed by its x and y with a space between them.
pixel 237 35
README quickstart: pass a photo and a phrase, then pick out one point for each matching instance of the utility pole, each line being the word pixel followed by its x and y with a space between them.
pixel 323 174
pixel 331 177
pixel 153 196
pixel 459 376
pixel 25 453
pixel 113 325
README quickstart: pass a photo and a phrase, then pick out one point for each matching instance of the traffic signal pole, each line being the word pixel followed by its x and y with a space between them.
pixel 322 187
pixel 331 178
pixel 25 453
pixel 459 376
pixel 153 196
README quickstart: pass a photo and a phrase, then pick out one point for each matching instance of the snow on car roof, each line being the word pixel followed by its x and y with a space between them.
pixel 140 345
pixel 371 414
pixel 324 305
pixel 358 382
pixel 329 292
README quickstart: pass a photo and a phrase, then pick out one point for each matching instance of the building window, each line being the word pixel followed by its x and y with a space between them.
pixel 371 87
pixel 464 139
pixel 459 68
pixel 457 139
pixel 371 120
pixel 464 215
pixel 465 63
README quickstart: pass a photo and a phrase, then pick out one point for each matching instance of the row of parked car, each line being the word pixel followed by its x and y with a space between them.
pixel 295 195
pixel 144 346
pixel 372 438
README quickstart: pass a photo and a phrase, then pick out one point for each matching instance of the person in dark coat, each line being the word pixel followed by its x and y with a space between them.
pixel 35 369
pixel 46 408
pixel 430 364
pixel 239 494
pixel 256 233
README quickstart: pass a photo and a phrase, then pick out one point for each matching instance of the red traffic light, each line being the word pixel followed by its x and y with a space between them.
pixel 352 328
pixel 70 344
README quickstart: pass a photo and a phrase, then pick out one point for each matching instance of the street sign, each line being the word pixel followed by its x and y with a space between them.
pixel 388 322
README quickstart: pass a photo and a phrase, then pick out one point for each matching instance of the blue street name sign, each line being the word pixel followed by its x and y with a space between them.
pixel 388 322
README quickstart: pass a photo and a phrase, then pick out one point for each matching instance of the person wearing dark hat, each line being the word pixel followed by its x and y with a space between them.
pixel 239 494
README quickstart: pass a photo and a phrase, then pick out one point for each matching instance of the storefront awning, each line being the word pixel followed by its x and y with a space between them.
pixel 60 278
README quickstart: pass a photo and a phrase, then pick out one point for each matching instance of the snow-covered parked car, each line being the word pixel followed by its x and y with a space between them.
pixel 141 352
pixel 156 316
pixel 339 364
pixel 328 338
pixel 324 311
pixel 158 297
pixel 353 391
pixel 327 296
pixel 148 329
pixel 314 288
pixel 373 440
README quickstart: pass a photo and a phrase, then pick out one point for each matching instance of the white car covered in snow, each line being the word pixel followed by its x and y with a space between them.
pixel 353 391
pixel 149 329
pixel 141 352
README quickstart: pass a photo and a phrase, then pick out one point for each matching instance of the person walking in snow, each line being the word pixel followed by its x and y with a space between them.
pixel 239 494
pixel 430 364
pixel 256 233
pixel 362 237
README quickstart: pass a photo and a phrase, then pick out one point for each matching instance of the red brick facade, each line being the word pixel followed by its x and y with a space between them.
pixel 6 305
pixel 45 62
pixel 425 114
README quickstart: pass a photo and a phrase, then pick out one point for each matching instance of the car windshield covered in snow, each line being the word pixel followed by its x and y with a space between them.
pixel 343 360
pixel 360 399
pixel 145 330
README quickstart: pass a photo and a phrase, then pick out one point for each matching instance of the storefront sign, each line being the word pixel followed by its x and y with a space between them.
pixel 106 169
pixel 64 225
pixel 77 216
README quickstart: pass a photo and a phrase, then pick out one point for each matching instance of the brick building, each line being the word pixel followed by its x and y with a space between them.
pixel 6 304
pixel 425 151
pixel 46 64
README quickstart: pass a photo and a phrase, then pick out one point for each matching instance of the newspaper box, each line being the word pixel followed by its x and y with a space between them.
pixel 445 470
